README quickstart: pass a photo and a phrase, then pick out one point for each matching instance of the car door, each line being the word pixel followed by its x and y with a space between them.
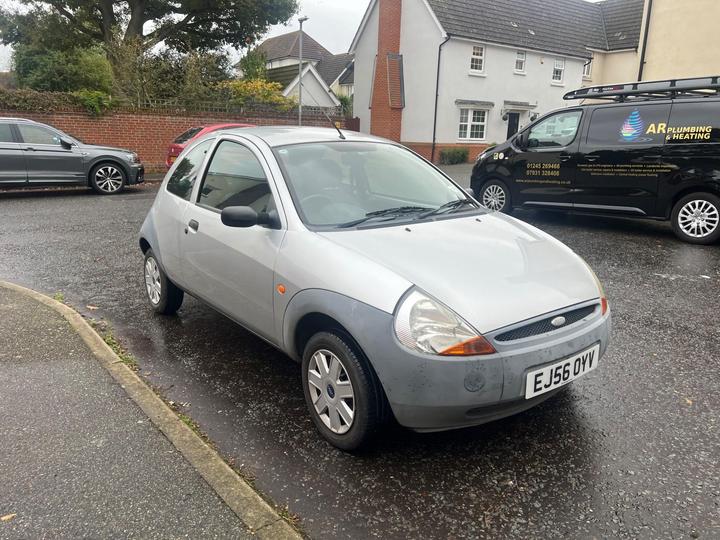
pixel 544 166
pixel 46 160
pixel 12 158
pixel 621 162
pixel 233 268
pixel 172 205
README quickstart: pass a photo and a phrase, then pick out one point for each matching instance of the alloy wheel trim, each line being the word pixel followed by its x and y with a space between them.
pixel 152 281
pixel 331 391
pixel 494 197
pixel 108 178
pixel 698 218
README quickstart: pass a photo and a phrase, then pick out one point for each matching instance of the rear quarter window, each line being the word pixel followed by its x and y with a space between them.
pixel 694 123
pixel 6 134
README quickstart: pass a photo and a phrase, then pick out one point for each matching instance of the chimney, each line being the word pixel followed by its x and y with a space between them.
pixel 388 92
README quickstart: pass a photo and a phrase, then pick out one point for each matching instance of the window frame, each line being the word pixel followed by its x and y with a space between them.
pixel 547 117
pixel 480 57
pixel 262 159
pixel 524 62
pixel 587 69
pixel 200 171
pixel 469 123
pixel 58 134
pixel 561 80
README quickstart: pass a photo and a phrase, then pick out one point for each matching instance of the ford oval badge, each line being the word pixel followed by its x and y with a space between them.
pixel 557 322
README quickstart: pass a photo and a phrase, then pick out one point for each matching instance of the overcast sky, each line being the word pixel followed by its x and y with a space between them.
pixel 331 22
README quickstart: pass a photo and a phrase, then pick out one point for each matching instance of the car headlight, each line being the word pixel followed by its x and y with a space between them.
pixel 132 157
pixel 482 156
pixel 425 325
pixel 603 299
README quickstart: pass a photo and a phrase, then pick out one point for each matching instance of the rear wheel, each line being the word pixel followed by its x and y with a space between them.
pixel 107 179
pixel 341 391
pixel 495 196
pixel 696 218
pixel 164 296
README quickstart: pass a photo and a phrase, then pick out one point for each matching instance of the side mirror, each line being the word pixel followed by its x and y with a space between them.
pixel 532 143
pixel 245 216
pixel 470 191
pixel 521 140
pixel 66 143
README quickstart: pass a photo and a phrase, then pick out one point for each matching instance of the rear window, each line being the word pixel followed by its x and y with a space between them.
pixel 694 123
pixel 189 134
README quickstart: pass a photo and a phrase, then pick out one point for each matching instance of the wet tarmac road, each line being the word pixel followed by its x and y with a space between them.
pixel 631 451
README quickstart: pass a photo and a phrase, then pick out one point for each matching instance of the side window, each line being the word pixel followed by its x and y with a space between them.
pixel 235 177
pixel 183 177
pixel 6 133
pixel 38 135
pixel 693 123
pixel 628 126
pixel 556 131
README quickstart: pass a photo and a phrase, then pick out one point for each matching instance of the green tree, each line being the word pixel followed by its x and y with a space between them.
pixel 253 65
pixel 62 71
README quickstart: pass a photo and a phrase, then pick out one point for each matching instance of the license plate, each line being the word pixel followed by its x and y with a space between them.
pixel 559 374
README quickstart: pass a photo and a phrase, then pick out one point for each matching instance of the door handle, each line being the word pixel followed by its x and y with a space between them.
pixel 30 148
pixel 565 157
pixel 192 224
pixel 591 158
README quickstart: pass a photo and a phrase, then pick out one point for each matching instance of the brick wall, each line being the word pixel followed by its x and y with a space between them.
pixel 386 119
pixel 150 133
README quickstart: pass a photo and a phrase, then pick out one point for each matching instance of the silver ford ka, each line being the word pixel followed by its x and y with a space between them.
pixel 394 288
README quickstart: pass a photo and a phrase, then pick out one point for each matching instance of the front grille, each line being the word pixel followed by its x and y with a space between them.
pixel 544 326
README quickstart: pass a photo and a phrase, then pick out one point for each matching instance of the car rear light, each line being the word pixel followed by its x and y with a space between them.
pixel 603 305
pixel 471 347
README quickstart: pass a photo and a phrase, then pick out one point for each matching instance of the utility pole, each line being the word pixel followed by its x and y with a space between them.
pixel 301 20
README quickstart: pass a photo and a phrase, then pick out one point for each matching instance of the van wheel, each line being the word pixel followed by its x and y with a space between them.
pixel 696 218
pixel 164 296
pixel 341 391
pixel 495 196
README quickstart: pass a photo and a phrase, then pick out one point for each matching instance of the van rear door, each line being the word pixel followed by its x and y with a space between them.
pixel 621 159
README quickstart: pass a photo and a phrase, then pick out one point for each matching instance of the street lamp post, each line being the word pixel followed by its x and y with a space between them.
pixel 301 20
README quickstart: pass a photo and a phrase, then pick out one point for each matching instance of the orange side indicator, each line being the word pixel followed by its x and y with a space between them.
pixel 281 288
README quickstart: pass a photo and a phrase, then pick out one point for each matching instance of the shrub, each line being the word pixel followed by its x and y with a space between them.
pixel 256 91
pixel 451 156
pixel 93 101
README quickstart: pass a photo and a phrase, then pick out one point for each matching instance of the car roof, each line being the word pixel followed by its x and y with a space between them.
pixel 283 135
pixel 7 119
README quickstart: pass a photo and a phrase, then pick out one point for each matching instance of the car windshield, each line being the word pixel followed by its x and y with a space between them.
pixel 345 184
pixel 187 135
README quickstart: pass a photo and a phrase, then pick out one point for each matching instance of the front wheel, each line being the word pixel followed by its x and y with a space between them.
pixel 341 391
pixel 696 218
pixel 495 196
pixel 164 296
pixel 107 179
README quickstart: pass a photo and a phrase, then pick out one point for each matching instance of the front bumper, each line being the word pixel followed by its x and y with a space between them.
pixel 137 173
pixel 431 393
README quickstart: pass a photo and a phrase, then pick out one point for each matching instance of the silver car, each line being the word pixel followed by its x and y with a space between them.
pixel 395 289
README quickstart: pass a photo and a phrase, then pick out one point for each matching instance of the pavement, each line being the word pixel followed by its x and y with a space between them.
pixel 630 451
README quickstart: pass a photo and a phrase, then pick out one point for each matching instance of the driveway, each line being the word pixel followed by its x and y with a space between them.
pixel 630 451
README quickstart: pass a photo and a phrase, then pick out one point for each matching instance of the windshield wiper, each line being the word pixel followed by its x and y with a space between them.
pixel 452 205
pixel 390 212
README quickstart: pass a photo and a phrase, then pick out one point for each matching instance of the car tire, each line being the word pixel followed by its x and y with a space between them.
pixel 164 296
pixel 333 367
pixel 696 218
pixel 108 178
pixel 495 196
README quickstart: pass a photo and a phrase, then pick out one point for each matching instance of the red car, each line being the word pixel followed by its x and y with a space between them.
pixel 188 136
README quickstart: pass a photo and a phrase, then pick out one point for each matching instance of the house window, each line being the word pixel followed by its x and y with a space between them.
pixel 473 123
pixel 558 70
pixel 520 62
pixel 587 69
pixel 477 60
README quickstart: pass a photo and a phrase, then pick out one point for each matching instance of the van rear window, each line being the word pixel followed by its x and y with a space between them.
pixel 694 123
pixel 189 134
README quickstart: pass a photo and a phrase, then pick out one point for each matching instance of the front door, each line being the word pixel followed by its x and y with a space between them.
pixel 233 268
pixel 621 159
pixel 12 159
pixel 513 123
pixel 47 161
pixel 544 171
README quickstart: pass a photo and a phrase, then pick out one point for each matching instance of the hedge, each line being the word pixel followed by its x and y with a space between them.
pixel 451 156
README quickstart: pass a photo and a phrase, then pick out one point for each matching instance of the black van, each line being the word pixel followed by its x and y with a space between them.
pixel 648 149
